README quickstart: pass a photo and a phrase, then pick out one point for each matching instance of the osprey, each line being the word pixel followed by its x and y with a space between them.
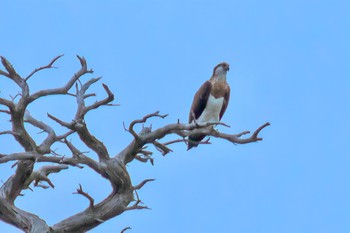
pixel 210 101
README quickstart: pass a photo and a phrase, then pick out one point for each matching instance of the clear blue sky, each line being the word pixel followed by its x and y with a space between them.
pixel 290 65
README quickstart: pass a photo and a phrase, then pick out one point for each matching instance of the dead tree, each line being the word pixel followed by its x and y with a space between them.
pixel 112 167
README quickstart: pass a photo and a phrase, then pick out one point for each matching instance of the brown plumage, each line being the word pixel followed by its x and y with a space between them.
pixel 210 101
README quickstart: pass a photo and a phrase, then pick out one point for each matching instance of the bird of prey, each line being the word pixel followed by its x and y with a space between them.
pixel 210 101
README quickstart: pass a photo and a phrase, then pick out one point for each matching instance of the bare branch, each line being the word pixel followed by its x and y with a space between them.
pixel 144 156
pixel 7 103
pixel 5 111
pixel 63 136
pixel 185 141
pixel 9 132
pixel 43 67
pixel 14 76
pixel 185 130
pixel 113 169
pixel 256 132
pixel 86 86
pixel 144 159
pixel 79 124
pixel 143 120
pixel 175 141
pixel 3 73
pixel 136 206
pixel 145 152
pixel 63 90
pixel 140 185
pixel 40 186
pixel 162 148
pixel 51 137
pixel 43 172
pixel 126 228
pixel 105 101
pixel 81 158
pixel 85 194
pixel 65 124
pixel 34 156
pixel 91 141
pixel 235 138
pixel 85 96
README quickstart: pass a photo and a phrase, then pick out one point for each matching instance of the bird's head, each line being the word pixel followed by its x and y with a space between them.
pixel 221 69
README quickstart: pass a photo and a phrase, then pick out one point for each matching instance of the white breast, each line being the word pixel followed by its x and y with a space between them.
pixel 212 110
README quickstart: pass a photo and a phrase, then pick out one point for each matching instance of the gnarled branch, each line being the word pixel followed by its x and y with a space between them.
pixel 111 168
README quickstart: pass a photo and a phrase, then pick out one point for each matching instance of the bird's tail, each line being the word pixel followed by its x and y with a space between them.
pixel 194 140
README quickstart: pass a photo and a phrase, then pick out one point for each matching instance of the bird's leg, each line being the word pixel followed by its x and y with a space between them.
pixel 214 129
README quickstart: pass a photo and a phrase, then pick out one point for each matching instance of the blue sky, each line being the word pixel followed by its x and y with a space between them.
pixel 289 66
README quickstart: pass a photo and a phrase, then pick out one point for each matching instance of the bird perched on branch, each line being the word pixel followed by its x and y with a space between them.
pixel 210 102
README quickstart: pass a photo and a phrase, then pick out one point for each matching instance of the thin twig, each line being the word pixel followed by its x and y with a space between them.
pixel 140 185
pixel 85 194
pixel 136 206
pixel 9 132
pixel 105 101
pixel 65 124
pixel 143 120
pixel 185 141
pixel 144 159
pixel 162 148
pixel 126 228
pixel 43 67
pixel 5 111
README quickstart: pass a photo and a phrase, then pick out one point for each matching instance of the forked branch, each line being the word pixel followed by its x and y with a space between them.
pixel 49 66
pixel 143 120
pixel 43 172
pixel 85 194
pixel 113 169
pixel 63 90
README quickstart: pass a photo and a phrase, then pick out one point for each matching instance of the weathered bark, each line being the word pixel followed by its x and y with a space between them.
pixel 111 167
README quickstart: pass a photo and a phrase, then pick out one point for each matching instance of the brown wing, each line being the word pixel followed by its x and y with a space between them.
pixel 200 101
pixel 226 100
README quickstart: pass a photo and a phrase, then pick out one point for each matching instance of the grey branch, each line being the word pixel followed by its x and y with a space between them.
pixel 43 67
pixel 9 132
pixel 136 206
pixel 51 137
pixel 43 172
pixel 34 156
pixel 143 120
pixel 162 148
pixel 113 169
pixel 11 72
pixel 63 90
pixel 8 104
pixel 62 123
pixel 105 101
pixel 144 156
pixel 126 228
pixel 5 111
pixel 183 130
pixel 85 194
pixel 140 185
pixel 79 125
pixel 82 158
